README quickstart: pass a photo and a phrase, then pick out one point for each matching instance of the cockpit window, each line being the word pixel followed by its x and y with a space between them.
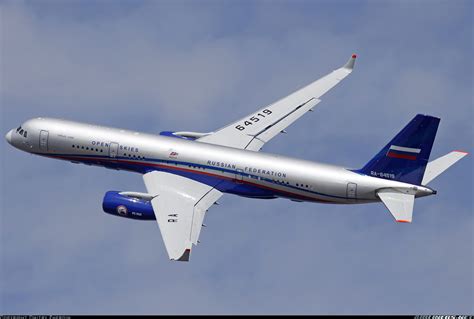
pixel 22 132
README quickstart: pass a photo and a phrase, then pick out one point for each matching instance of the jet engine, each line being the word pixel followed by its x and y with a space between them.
pixel 129 205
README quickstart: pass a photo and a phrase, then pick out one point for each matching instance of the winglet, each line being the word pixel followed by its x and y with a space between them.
pixel 185 256
pixel 350 64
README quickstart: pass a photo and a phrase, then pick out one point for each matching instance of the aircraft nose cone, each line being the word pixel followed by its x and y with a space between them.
pixel 8 137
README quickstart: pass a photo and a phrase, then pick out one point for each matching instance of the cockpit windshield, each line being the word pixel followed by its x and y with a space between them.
pixel 21 131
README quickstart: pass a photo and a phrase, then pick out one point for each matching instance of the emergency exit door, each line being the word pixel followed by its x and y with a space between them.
pixel 44 140
pixel 351 190
pixel 239 176
pixel 113 150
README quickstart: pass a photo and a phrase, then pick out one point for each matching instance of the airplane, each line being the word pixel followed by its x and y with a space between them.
pixel 185 173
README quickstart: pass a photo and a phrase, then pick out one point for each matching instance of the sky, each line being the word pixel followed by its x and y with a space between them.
pixel 196 66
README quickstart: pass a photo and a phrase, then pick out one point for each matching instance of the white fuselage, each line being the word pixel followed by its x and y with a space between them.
pixel 230 170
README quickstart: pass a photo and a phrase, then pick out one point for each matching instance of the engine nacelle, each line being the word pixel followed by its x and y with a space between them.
pixel 125 206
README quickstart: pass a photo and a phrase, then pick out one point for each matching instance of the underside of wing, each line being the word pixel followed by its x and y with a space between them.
pixel 179 205
pixel 254 130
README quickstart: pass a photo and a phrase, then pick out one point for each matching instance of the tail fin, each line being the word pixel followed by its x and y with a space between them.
pixel 406 156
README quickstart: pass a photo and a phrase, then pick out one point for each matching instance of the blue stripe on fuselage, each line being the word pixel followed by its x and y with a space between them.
pixel 222 183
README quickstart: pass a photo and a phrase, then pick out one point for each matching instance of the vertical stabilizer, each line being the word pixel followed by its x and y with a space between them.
pixel 405 157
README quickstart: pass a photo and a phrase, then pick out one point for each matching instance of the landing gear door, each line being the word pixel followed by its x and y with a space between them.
pixel 44 140
pixel 113 150
pixel 351 190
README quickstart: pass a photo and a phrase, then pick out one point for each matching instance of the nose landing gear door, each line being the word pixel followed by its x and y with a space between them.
pixel 43 142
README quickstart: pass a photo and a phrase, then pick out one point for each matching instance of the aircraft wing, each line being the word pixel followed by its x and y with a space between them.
pixel 179 205
pixel 254 130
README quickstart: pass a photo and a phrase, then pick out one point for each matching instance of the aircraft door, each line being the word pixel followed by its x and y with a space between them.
pixel 44 135
pixel 351 190
pixel 239 176
pixel 113 150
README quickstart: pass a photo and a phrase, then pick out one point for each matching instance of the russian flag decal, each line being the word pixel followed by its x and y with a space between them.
pixel 403 152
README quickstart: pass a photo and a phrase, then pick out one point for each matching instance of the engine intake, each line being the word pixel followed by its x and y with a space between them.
pixel 129 207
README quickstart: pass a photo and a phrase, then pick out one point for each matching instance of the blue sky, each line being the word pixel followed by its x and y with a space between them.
pixel 171 65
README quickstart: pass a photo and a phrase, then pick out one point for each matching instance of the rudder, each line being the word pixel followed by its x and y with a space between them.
pixel 405 158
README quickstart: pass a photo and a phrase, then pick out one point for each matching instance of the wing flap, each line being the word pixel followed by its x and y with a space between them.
pixel 200 210
pixel 399 204
pixel 265 135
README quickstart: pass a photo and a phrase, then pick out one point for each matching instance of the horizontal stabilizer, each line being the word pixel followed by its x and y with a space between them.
pixel 439 165
pixel 399 204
